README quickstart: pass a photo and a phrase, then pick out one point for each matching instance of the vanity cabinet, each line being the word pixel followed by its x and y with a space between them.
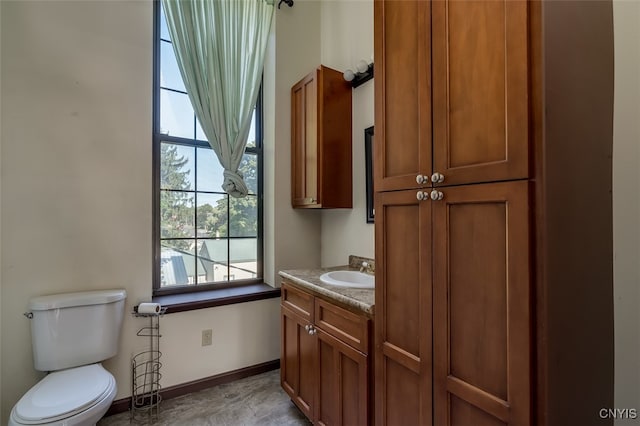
pixel 321 141
pixel 325 363
pixel 492 260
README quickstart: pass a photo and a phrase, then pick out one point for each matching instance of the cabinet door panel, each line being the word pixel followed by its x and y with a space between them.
pixel 403 307
pixel 298 358
pixel 401 387
pixel 334 119
pixel 403 98
pixel 464 414
pixel 343 385
pixel 327 385
pixel 298 192
pixel 480 90
pixel 304 142
pixel 311 140
pixel 482 307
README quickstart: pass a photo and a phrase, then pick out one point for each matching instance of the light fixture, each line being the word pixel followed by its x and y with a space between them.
pixel 363 73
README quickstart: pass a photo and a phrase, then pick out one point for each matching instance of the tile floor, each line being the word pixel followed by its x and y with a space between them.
pixel 255 400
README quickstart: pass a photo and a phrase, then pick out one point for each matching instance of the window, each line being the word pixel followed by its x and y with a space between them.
pixel 203 237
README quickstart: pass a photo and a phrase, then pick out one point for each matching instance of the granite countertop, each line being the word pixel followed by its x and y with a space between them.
pixel 362 299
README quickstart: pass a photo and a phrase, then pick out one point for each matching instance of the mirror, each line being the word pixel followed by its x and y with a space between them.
pixel 368 161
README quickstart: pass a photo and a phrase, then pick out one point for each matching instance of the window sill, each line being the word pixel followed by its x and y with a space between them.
pixel 212 298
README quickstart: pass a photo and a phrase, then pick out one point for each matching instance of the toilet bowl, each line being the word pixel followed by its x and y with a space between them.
pixel 75 396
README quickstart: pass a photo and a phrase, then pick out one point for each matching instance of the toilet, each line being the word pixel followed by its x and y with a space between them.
pixel 71 334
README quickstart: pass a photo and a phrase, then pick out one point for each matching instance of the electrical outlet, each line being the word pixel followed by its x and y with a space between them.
pixel 207 337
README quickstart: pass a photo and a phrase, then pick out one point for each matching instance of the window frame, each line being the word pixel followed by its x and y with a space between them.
pixel 158 138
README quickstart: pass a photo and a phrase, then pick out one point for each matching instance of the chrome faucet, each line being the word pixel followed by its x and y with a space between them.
pixel 366 267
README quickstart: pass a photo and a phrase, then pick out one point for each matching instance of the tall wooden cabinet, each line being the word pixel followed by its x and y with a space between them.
pixel 321 141
pixel 493 260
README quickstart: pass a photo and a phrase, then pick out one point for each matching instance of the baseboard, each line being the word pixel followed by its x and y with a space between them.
pixel 122 405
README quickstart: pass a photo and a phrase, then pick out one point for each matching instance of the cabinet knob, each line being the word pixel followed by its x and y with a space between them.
pixel 313 331
pixel 437 177
pixel 307 327
pixel 436 195
pixel 421 195
pixel 420 179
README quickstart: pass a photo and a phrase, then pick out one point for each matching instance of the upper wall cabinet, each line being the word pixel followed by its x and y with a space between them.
pixel 451 93
pixel 321 141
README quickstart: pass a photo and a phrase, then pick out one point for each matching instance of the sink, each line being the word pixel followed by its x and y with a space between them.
pixel 353 279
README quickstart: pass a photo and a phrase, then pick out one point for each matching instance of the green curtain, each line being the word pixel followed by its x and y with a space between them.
pixel 220 47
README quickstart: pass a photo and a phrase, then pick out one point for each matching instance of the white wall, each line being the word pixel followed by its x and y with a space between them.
pixel 626 203
pixel 76 164
pixel 76 190
pixel 347 37
pixel 243 335
pixel 0 208
pixel 336 33
pixel 292 235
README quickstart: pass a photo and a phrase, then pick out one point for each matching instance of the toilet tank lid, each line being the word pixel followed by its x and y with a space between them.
pixel 82 298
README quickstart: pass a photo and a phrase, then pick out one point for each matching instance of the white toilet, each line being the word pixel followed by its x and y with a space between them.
pixel 71 334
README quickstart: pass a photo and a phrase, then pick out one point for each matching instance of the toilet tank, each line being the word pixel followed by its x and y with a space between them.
pixel 73 329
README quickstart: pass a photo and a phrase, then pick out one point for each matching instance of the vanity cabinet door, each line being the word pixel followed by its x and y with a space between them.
pixel 298 372
pixel 343 383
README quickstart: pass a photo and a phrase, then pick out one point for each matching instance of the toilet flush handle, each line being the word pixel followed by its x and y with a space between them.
pixel 28 314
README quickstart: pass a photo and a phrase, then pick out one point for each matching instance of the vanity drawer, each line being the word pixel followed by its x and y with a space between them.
pixel 298 301
pixel 342 324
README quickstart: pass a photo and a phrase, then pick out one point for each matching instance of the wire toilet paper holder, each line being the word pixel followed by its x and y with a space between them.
pixel 145 370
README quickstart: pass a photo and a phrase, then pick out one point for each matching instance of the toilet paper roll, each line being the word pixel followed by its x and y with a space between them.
pixel 149 308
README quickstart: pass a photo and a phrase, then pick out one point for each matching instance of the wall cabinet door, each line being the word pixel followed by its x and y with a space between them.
pixel 321 141
pixel 343 383
pixel 463 66
pixel 480 90
pixel 482 305
pixel 403 93
pixel 403 309
pixel 298 361
pixel 304 142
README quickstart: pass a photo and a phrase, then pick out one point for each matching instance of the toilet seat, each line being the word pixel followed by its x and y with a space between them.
pixel 63 394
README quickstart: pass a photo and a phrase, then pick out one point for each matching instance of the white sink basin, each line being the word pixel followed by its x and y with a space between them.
pixel 353 279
